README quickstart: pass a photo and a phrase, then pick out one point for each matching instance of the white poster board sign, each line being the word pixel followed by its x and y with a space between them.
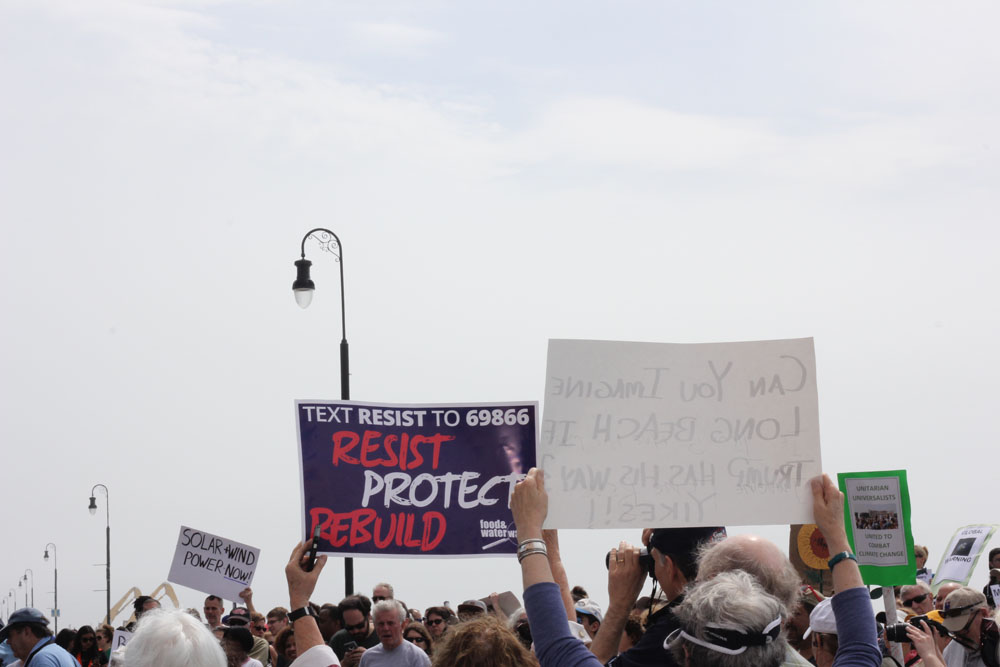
pixel 963 551
pixel 212 564
pixel 119 639
pixel 641 435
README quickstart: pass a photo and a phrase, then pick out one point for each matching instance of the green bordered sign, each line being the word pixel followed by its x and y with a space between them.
pixel 877 517
pixel 962 554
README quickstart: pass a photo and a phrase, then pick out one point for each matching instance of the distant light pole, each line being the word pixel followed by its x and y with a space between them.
pixel 303 288
pixel 6 611
pixel 107 563
pixel 13 600
pixel 55 581
pixel 25 580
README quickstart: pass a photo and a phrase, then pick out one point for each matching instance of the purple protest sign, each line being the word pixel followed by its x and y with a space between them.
pixel 413 480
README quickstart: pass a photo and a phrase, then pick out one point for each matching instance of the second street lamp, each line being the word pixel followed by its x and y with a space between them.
pixel 25 579
pixel 303 288
pixel 55 581
pixel 107 563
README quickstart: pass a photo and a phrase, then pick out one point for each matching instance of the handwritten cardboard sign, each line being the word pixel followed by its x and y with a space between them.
pixel 413 480
pixel 877 519
pixel 659 435
pixel 212 564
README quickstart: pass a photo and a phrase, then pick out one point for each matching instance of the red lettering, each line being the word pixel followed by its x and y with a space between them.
pixel 408 538
pixel 337 525
pixel 436 440
pixel 428 543
pixel 340 448
pixel 368 447
pixel 393 459
pixel 363 526
pixel 360 519
pixel 382 543
pixel 320 516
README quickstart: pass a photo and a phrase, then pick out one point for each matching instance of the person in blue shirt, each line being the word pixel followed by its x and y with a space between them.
pixel 28 635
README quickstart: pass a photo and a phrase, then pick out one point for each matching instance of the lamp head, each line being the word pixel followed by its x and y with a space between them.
pixel 93 506
pixel 303 285
pixel 46 556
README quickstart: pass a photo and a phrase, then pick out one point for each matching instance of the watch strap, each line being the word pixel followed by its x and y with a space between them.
pixel 299 613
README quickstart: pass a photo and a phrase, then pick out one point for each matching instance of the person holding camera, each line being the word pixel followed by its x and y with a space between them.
pixel 671 562
pixel 743 633
pixel 974 634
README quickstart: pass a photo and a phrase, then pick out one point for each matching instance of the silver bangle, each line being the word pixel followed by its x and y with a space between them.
pixel 521 555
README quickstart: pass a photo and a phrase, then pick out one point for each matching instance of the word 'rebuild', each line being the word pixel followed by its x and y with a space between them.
pixel 372 450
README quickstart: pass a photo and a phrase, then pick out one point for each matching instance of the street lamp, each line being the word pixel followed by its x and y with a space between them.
pixel 107 563
pixel 13 600
pixel 303 288
pixel 55 571
pixel 25 580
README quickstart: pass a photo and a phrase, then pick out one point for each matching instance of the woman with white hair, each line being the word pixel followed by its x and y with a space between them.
pixel 173 638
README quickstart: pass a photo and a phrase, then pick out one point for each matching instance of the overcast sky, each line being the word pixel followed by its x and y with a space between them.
pixel 500 173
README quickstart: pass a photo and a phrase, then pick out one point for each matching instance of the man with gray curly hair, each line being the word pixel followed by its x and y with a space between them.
pixel 389 616
pixel 729 621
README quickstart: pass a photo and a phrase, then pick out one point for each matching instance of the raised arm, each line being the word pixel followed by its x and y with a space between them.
pixel 301 585
pixel 625 579
pixel 551 537
pixel 851 604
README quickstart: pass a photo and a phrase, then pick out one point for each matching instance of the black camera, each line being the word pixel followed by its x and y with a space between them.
pixel 897 631
pixel 645 561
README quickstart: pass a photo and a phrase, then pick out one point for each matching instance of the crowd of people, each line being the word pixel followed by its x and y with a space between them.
pixel 717 601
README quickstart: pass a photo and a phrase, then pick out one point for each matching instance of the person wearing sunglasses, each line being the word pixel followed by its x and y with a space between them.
pixel 85 647
pixel 355 611
pixel 976 642
pixel 418 634
pixel 436 619
pixel 917 597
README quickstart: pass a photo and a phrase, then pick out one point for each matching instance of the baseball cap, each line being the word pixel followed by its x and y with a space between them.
pixel 821 619
pixel 683 543
pixel 238 616
pixel 591 608
pixel 476 605
pixel 21 616
pixel 959 605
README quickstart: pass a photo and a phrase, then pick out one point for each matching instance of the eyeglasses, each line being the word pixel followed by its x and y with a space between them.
pixel 379 598
pixel 918 599
pixel 260 628
pixel 416 639
pixel 360 626
pixel 86 639
pixel 433 621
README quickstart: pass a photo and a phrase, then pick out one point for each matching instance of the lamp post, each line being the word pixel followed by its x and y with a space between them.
pixel 303 288
pixel 32 584
pixel 13 600
pixel 107 563
pixel 55 581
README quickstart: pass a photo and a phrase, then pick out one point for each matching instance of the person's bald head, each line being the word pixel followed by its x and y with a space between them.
pixel 943 592
pixel 758 557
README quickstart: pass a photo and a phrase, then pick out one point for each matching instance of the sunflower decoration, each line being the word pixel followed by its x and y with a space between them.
pixel 812 547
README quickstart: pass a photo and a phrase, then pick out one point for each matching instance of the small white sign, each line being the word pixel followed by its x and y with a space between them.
pixel 962 553
pixel 119 639
pixel 212 564
pixel 637 435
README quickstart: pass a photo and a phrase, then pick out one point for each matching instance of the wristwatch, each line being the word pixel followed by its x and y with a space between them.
pixel 300 612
